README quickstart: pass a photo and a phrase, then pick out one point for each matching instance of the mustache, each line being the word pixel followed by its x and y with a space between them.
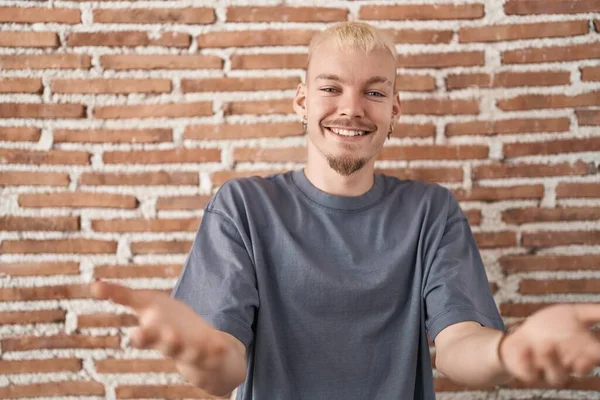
pixel 350 124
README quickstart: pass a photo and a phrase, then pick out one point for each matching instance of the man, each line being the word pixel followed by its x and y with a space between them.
pixel 324 283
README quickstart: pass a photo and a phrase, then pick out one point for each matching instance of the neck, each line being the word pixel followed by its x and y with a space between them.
pixel 320 174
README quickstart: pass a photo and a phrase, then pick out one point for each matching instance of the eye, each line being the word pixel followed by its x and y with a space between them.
pixel 329 90
pixel 376 94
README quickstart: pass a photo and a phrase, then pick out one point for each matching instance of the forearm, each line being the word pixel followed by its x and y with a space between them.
pixel 473 360
pixel 222 374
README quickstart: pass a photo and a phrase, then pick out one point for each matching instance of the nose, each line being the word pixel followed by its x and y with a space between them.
pixel 351 105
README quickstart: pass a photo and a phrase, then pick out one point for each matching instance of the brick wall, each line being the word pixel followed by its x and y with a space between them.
pixel 119 119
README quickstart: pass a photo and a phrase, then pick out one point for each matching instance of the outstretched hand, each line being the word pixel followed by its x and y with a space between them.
pixel 553 345
pixel 166 324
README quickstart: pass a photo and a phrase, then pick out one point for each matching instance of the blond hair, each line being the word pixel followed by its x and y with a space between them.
pixel 353 35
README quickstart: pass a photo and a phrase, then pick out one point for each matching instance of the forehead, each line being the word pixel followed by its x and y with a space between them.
pixel 351 64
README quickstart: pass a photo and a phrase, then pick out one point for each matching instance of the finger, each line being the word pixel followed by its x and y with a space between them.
pixel 118 294
pixel 169 343
pixel 555 373
pixel 525 369
pixel 588 313
pixel 586 358
pixel 142 338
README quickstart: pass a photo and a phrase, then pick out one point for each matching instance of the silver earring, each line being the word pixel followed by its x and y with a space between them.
pixel 304 124
pixel 390 131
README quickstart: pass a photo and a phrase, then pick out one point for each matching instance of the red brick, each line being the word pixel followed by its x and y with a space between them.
pixel 286 154
pixel 20 134
pixel 490 240
pixel 426 174
pixel 40 366
pixel 588 117
pixel 35 110
pixel 35 293
pixel 139 179
pixel 420 36
pixel 256 38
pixel 106 320
pixel 268 61
pixel 45 61
pixel 161 247
pixel 29 39
pixel 33 317
pixel 111 86
pixel 32 15
pixel 39 268
pixel 238 84
pixel 260 107
pixel 78 200
pixel 498 33
pixel 525 7
pixel 182 202
pixel 560 286
pixel 534 214
pixel 160 61
pixel 493 193
pixel 172 110
pixel 449 152
pixel 60 341
pixel 496 171
pixel 541 101
pixel 590 74
pixel 21 85
pixel 415 83
pixel 508 126
pixel 220 177
pixel 508 79
pixel 286 14
pixel 440 107
pixel 188 15
pixel 147 225
pixel 560 238
pixel 54 388
pixel 414 130
pixel 62 224
pixel 143 365
pixel 548 262
pixel 179 155
pixel 586 51
pixel 57 246
pixel 441 60
pixel 138 271
pixel 128 39
pixel 587 383
pixel 243 131
pixel 577 189
pixel 113 135
pixel 522 310
pixel 16 178
pixel 162 391
pixel 442 384
pixel 474 217
pixel 422 12
pixel 551 147
pixel 54 157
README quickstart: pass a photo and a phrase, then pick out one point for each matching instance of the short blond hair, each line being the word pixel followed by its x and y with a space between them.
pixel 353 35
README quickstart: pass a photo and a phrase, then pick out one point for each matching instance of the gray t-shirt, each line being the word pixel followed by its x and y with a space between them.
pixel 334 296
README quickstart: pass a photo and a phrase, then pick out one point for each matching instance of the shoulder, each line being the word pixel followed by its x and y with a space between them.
pixel 240 194
pixel 414 191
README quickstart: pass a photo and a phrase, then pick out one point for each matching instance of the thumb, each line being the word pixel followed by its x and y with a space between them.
pixel 588 313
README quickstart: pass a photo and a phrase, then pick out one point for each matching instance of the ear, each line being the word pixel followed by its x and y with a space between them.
pixel 396 108
pixel 300 100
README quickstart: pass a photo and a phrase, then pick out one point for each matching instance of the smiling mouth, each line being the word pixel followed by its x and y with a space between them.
pixel 347 132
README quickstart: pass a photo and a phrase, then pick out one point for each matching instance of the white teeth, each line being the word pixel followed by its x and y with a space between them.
pixel 345 132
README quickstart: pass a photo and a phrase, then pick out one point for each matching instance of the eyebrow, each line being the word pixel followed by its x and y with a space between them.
pixel 374 79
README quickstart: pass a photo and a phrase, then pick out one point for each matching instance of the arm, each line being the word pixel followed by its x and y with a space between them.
pixel 467 353
pixel 550 348
pixel 208 358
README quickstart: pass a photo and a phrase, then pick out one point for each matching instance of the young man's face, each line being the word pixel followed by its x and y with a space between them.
pixel 350 103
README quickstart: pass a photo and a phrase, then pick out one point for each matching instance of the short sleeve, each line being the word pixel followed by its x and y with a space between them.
pixel 456 287
pixel 218 279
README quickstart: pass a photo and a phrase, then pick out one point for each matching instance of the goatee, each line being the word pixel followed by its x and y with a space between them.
pixel 346 165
